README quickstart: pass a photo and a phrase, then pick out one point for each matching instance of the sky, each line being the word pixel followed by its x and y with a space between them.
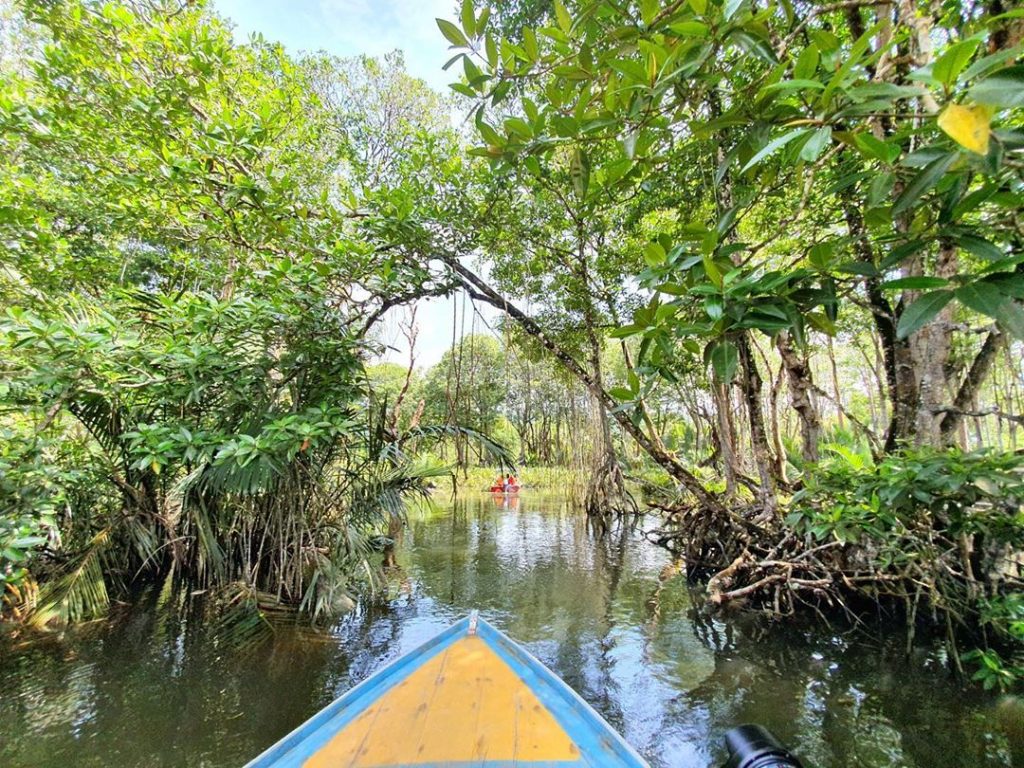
pixel 374 27
pixel 350 27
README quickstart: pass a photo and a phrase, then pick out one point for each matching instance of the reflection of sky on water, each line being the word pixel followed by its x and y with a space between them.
pixel 145 690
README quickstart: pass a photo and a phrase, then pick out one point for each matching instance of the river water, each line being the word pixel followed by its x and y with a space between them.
pixel 149 689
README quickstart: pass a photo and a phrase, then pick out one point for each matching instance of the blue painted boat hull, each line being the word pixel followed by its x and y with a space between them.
pixel 469 696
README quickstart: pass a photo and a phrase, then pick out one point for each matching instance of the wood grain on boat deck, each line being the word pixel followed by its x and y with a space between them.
pixel 465 706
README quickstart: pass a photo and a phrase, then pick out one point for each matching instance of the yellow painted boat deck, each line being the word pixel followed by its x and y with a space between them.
pixel 469 697
pixel 464 705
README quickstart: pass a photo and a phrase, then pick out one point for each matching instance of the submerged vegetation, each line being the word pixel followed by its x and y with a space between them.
pixel 757 262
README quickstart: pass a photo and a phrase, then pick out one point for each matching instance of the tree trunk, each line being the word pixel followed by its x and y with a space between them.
pixel 900 377
pixel 801 385
pixel 930 348
pixel 481 291
pixel 752 384
pixel 726 443
pixel 606 491
pixel 967 393
pixel 836 393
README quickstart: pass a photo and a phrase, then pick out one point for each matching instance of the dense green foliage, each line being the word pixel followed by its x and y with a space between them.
pixel 771 182
pixel 908 515
pixel 689 215
pixel 191 260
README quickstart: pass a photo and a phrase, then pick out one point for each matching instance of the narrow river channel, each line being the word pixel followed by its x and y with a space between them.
pixel 148 689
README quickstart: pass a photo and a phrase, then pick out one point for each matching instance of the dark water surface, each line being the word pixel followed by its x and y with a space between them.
pixel 149 690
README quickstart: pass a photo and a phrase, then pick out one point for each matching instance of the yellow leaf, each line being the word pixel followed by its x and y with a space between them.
pixel 967 126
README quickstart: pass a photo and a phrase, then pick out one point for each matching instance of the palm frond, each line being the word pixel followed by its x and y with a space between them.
pixel 245 616
pixel 437 432
pixel 79 592
pixel 104 421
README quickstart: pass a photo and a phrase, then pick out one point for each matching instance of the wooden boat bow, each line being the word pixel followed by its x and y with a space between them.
pixel 468 696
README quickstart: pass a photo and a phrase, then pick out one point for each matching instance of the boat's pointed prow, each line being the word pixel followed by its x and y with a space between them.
pixel 469 696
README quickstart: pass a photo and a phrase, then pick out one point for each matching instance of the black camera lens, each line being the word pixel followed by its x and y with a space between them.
pixel 751 746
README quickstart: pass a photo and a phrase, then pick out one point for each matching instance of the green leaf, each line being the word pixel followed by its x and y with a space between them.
pixel 793 85
pixel 714 306
pixel 464 89
pixel 921 312
pixel 875 149
pixel 755 45
pixel 530 43
pixel 986 64
pixel 981 297
pixel 579 170
pixel 468 19
pixel 820 139
pixel 673 289
pixel 713 272
pixel 730 8
pixel 880 189
pixel 774 146
pixel 621 393
pixel 624 331
pixel 1004 89
pixel 807 63
pixel 724 360
pixel 453 33
pixel 473 73
pixel 519 127
pixel 981 247
pixel 563 17
pixel 690 28
pixel 927 178
pixel 490 135
pixel 857 50
pixel 921 283
pixel 951 63
pixel 865 268
pixel 1011 317
pixel 654 255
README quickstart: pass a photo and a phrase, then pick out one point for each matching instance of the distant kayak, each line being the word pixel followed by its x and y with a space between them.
pixel 507 489
pixel 470 696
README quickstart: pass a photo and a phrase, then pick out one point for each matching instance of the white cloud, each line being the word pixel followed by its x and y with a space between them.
pixel 374 27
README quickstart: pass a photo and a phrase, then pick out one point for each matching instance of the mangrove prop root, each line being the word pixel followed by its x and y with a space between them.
pixel 925 573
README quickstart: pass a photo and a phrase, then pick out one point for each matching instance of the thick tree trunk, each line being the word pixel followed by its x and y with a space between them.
pixel 900 377
pixel 752 384
pixel 801 385
pixel 930 348
pixel 726 442
pixel 967 394
pixel 606 491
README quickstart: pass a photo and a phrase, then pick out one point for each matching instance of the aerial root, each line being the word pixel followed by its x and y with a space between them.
pixel 607 497
pixel 770 569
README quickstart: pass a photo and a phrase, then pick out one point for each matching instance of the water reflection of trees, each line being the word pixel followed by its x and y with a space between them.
pixel 153 688
pixel 837 703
